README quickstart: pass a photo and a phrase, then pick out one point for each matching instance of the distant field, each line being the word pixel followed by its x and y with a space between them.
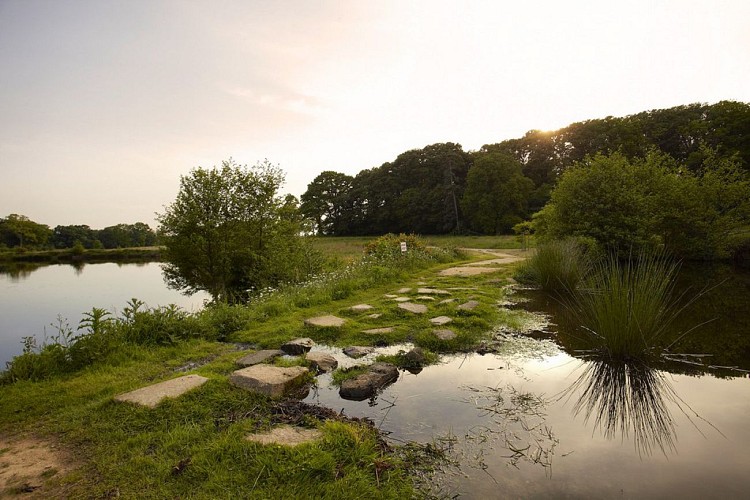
pixel 350 247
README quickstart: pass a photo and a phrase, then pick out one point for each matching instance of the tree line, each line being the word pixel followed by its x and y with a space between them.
pixel 443 189
pixel 18 231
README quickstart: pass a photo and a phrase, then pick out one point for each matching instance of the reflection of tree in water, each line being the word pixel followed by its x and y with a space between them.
pixel 630 399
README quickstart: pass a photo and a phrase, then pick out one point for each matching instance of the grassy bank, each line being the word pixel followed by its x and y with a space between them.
pixel 69 255
pixel 195 446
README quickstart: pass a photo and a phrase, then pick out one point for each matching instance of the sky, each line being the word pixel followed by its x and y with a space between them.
pixel 104 104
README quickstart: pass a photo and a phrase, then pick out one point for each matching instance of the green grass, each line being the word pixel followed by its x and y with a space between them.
pixel 499 241
pixel 626 306
pixel 555 266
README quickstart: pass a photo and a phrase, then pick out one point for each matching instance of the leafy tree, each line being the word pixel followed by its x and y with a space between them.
pixel 67 236
pixel 496 194
pixel 326 200
pixel 228 232
pixel 20 231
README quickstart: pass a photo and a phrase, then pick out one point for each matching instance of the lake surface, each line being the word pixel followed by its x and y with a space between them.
pixel 31 298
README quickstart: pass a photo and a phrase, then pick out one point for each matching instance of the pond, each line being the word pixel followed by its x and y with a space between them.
pixel 538 420
pixel 32 297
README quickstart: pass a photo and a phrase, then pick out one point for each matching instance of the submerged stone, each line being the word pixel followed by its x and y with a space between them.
pixel 298 346
pixel 273 381
pixel 152 395
pixel 365 385
pixel 259 357
pixel 413 308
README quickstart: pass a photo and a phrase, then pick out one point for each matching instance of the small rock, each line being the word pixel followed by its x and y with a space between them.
pixel 325 321
pixel 356 351
pixel 367 384
pixel 415 357
pixel 445 334
pixel 441 320
pixel 446 301
pixel 374 316
pixel 298 346
pixel 413 308
pixel 425 297
pixel 259 357
pixel 376 331
pixel 321 361
pixel 403 290
pixel 402 299
pixel 361 307
pixel 469 306
pixel 390 296
pixel 274 381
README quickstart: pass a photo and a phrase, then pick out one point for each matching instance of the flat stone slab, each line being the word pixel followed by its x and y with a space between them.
pixel 298 346
pixel 441 320
pixel 403 290
pixel 286 435
pixel 469 306
pixel 256 358
pixel 367 384
pixel 361 307
pixel 374 316
pixel 432 291
pixel 413 308
pixel 424 297
pixel 446 301
pixel 273 381
pixel 390 296
pixel 356 351
pixel 321 361
pixel 326 321
pixel 445 334
pixel 402 299
pixel 152 395
pixel 376 331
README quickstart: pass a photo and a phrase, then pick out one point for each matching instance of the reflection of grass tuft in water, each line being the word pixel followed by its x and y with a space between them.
pixel 626 306
pixel 628 398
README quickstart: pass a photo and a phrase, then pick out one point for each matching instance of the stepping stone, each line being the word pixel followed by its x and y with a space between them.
pixel 441 320
pixel 390 296
pixel 374 316
pixel 445 334
pixel 259 357
pixel 273 381
pixel 402 299
pixel 413 308
pixel 367 384
pixel 361 307
pixel 152 395
pixel 356 351
pixel 298 346
pixel 446 301
pixel 432 291
pixel 286 435
pixel 424 297
pixel 403 290
pixel 321 361
pixel 469 306
pixel 326 321
pixel 375 331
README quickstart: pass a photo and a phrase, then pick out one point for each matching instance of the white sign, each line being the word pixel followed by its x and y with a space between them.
pixel 403 246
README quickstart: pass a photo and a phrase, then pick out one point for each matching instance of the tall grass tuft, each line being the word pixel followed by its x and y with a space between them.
pixel 557 266
pixel 625 306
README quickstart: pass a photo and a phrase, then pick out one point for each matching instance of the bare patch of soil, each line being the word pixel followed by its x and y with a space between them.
pixel 28 465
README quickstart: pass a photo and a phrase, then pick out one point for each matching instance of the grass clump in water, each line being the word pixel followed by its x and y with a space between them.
pixel 556 266
pixel 625 306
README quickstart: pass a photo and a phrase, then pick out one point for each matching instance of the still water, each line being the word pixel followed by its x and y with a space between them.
pixel 31 298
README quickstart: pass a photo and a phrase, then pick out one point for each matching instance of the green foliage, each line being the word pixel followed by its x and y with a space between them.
pixel 650 202
pixel 21 232
pixel 625 307
pixel 497 193
pixel 325 202
pixel 558 265
pixel 228 232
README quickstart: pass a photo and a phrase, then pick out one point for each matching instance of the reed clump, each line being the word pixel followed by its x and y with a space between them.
pixel 556 266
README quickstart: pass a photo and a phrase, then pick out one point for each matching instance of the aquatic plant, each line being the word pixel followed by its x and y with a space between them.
pixel 556 266
pixel 625 306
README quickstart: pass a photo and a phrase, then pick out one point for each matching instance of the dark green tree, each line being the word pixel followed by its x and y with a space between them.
pixel 20 231
pixel 326 202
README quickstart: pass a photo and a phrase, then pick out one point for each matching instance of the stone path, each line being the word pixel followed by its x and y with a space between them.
pixel 413 308
pixel 483 266
pixel 152 395
pixel 270 380
pixel 326 321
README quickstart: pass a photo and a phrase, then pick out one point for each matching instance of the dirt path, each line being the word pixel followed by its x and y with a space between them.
pixel 27 464
pixel 494 259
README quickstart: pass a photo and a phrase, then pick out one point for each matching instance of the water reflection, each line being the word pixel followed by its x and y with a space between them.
pixel 629 399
